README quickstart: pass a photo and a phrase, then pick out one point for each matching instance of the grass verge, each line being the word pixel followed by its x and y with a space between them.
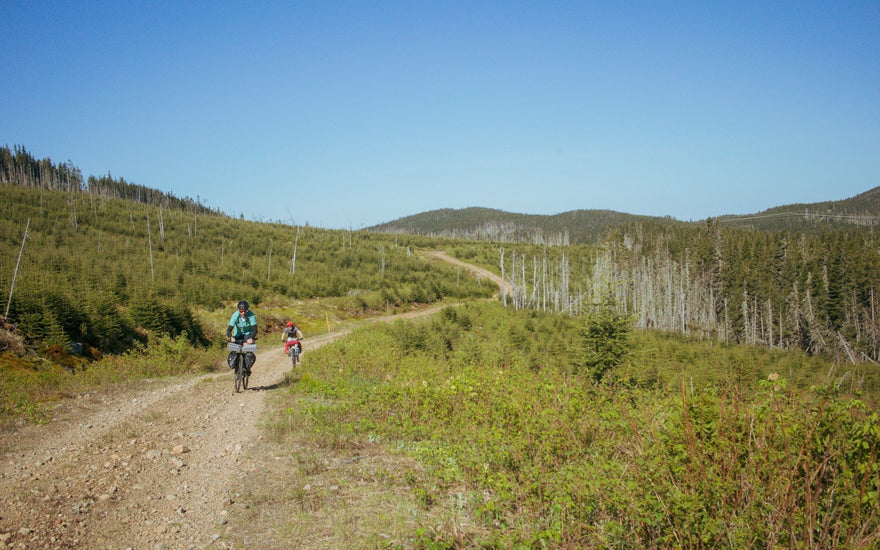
pixel 685 445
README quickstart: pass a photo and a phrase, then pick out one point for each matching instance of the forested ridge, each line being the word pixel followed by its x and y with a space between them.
pixel 590 226
pixel 861 210
pixel 803 276
pixel 487 224
pixel 817 292
pixel 19 167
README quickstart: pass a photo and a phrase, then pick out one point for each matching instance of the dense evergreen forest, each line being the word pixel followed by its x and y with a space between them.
pixel 812 291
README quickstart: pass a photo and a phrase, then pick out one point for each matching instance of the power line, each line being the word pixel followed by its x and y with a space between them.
pixel 806 215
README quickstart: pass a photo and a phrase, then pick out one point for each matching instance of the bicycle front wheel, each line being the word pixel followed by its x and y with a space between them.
pixel 239 372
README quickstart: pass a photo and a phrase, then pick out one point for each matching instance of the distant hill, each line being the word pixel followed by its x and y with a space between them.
pixel 576 226
pixel 588 226
pixel 863 209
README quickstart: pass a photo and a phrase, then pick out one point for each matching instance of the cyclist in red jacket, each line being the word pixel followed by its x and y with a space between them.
pixel 291 336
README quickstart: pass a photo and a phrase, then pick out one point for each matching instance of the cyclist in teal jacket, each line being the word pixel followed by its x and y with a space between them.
pixel 242 325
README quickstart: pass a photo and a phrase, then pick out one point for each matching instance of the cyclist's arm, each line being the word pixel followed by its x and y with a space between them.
pixel 230 326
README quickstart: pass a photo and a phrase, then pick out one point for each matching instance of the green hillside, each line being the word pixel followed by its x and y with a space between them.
pixel 862 210
pixel 109 264
pixel 577 226
pixel 105 290
pixel 109 273
pixel 590 226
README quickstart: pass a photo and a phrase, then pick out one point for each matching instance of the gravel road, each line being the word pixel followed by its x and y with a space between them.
pixel 160 467
pixel 153 468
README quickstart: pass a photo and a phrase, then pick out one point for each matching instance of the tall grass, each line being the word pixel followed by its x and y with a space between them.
pixel 685 446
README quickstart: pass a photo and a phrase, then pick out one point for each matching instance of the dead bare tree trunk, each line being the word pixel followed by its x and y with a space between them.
pixel 15 274
pixel 293 260
pixel 513 292
pixel 150 245
pixel 161 226
pixel 544 283
pixel 503 286
pixel 533 299
pixel 564 283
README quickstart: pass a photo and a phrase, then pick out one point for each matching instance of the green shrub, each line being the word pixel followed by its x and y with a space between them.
pixel 604 341
pixel 544 457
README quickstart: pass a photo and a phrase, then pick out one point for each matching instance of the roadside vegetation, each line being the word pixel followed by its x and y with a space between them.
pixel 818 292
pixel 532 432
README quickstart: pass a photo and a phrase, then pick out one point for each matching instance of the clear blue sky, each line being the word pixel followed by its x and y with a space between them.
pixel 350 114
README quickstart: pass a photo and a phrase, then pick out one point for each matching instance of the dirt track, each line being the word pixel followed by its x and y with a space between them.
pixel 153 469
pixel 158 468
pixel 478 272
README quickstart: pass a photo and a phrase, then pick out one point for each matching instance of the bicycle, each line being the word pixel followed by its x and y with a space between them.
pixel 293 350
pixel 239 363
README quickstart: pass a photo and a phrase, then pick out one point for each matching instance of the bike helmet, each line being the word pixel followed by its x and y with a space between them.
pixel 289 324
pixel 243 305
